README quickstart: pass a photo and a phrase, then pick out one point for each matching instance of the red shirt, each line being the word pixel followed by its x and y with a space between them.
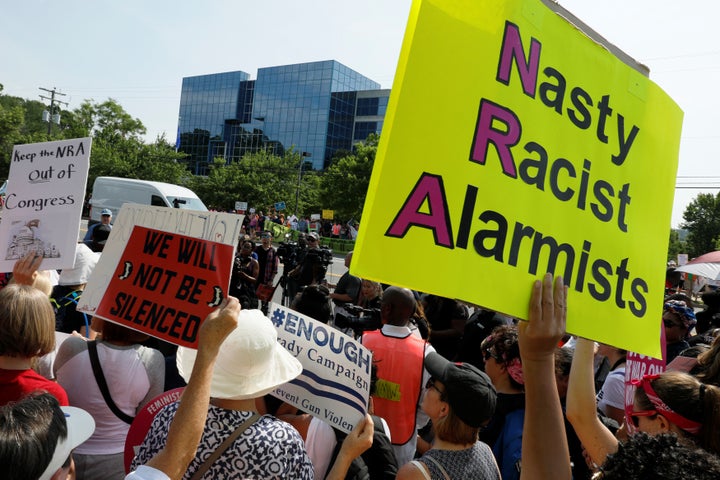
pixel 15 384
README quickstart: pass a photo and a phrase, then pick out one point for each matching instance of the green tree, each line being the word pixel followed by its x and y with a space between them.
pixel 259 178
pixel 702 220
pixel 20 123
pixel 676 245
pixel 118 149
pixel 344 184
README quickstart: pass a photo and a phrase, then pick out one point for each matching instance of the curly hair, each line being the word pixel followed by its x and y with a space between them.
pixel 660 457
pixel 503 345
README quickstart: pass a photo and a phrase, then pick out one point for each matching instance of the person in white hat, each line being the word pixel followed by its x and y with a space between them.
pixel 67 292
pixel 251 364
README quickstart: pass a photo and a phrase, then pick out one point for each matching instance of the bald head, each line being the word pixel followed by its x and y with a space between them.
pixel 398 305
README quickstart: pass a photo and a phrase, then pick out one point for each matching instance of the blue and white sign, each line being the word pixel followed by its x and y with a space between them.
pixel 335 382
pixel 280 206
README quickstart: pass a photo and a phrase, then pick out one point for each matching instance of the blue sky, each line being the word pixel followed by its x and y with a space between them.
pixel 137 52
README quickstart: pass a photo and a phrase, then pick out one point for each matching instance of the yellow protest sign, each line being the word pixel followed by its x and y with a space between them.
pixel 328 214
pixel 516 145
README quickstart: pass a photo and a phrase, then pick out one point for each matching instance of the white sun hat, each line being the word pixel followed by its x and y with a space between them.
pixel 250 363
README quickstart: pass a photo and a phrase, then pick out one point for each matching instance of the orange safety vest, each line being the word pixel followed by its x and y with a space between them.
pixel 400 371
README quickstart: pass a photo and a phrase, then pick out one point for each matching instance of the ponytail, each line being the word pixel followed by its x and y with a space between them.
pixel 709 396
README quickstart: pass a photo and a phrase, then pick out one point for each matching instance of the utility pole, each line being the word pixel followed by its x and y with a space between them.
pixel 52 117
pixel 303 155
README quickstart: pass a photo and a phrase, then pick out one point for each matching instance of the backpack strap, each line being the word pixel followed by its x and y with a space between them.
pixel 423 469
pixel 100 378
pixel 72 297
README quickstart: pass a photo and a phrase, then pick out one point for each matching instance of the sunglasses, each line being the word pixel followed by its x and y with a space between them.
pixel 488 354
pixel 431 384
pixel 634 416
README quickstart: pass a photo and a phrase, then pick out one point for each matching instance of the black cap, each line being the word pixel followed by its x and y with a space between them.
pixel 469 391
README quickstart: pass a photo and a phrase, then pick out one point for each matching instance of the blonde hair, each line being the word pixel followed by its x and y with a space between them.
pixel 42 283
pixel 27 322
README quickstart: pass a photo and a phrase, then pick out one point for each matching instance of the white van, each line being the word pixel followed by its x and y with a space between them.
pixel 112 192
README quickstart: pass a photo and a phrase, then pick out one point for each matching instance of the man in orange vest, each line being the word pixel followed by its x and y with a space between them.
pixel 399 353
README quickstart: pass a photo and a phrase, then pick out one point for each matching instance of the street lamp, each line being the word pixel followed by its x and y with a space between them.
pixel 300 170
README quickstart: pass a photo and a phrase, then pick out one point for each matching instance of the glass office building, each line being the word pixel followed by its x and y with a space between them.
pixel 316 108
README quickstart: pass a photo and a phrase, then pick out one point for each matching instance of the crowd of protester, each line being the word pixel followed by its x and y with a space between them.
pixel 256 222
pixel 457 391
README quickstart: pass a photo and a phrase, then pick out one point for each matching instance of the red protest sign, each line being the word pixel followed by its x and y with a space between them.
pixel 143 421
pixel 165 284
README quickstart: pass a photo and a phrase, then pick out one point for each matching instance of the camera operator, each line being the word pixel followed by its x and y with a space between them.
pixel 312 263
pixel 291 255
pixel 244 276
pixel 347 289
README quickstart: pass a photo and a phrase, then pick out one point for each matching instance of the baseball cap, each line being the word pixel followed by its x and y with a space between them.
pixel 80 426
pixel 106 211
pixel 469 391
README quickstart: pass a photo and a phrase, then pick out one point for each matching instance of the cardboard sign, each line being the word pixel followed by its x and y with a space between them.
pixel 218 227
pixel 539 161
pixel 43 202
pixel 636 367
pixel 166 284
pixel 335 383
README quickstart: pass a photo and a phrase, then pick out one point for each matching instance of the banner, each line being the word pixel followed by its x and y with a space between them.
pixel 335 383
pixel 165 284
pixel 545 153
pixel 44 201
pixel 224 228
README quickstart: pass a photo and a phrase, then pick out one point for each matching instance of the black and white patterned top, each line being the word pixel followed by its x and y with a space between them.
pixel 475 463
pixel 268 449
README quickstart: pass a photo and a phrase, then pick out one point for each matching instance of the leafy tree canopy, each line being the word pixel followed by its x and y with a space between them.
pixel 702 220
pixel 344 184
pixel 261 178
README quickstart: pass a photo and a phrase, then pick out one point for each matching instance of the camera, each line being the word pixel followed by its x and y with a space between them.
pixel 322 256
pixel 287 252
pixel 358 319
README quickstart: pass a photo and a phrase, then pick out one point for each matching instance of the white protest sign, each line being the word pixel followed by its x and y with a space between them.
pixel 241 206
pixel 43 202
pixel 215 226
pixel 335 383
